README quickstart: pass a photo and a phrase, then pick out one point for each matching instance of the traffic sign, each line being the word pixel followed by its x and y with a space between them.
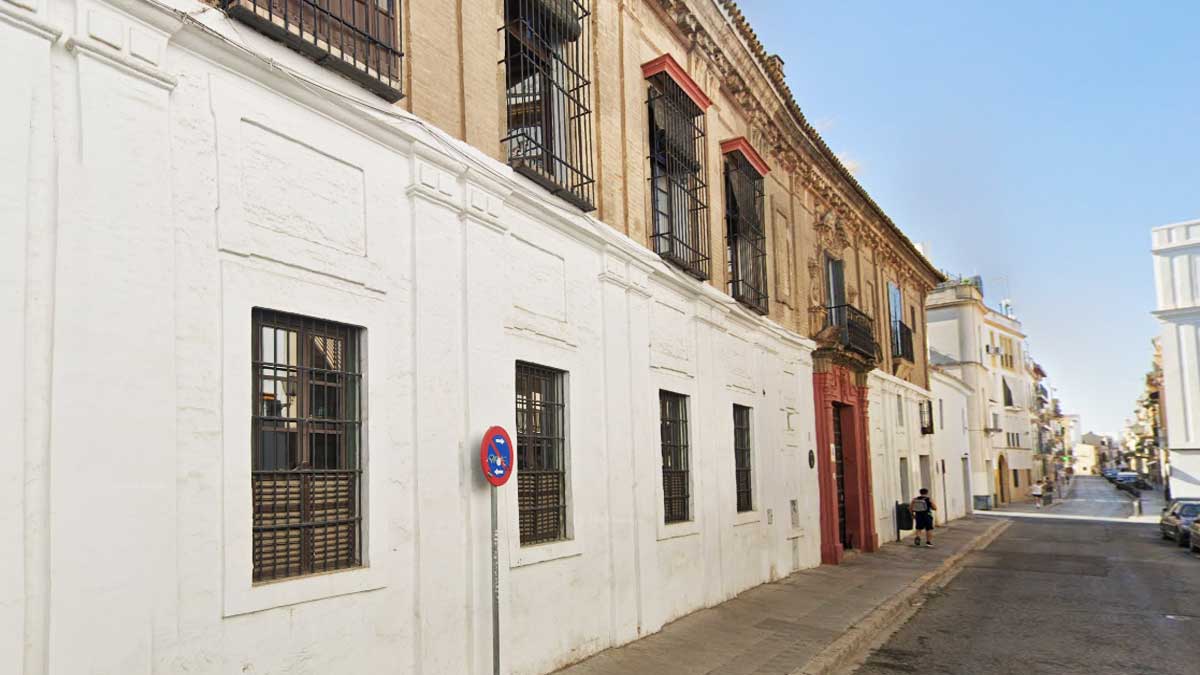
pixel 496 456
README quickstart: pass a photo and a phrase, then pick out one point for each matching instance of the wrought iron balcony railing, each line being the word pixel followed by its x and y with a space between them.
pixel 855 330
pixel 902 341
pixel 358 38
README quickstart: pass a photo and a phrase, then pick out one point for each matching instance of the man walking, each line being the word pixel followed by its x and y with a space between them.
pixel 1036 492
pixel 922 508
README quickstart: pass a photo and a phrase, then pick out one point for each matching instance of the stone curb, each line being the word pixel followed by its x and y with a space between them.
pixel 879 625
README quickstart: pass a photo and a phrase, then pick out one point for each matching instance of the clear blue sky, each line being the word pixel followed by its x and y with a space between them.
pixel 1034 143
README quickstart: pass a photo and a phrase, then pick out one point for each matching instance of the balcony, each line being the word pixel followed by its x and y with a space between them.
pixel 902 342
pixel 358 38
pixel 852 329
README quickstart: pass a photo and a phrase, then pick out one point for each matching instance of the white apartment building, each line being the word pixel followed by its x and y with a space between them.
pixel 984 348
pixel 1176 250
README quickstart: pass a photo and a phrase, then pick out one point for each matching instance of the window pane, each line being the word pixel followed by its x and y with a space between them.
pixel 541 461
pixel 742 459
pixel 679 194
pixel 305 477
pixel 674 436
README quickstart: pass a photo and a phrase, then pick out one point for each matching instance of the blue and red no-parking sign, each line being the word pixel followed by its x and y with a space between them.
pixel 496 456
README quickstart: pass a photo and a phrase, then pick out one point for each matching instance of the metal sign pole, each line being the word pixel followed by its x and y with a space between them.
pixel 495 588
pixel 496 460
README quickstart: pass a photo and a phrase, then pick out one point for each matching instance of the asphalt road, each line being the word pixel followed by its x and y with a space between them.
pixel 1060 596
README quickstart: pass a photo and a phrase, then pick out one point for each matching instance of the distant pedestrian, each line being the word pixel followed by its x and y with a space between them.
pixel 1036 491
pixel 922 508
pixel 1048 496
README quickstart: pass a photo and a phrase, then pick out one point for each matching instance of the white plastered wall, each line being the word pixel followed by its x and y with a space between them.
pixel 168 183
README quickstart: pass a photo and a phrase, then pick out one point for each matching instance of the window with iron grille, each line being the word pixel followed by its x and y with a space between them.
pixel 741 457
pixel 678 193
pixel 305 450
pixel 746 237
pixel 541 461
pixel 358 38
pixel 677 497
pixel 926 409
pixel 547 57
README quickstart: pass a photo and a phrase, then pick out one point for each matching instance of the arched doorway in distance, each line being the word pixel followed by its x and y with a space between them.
pixel 1002 479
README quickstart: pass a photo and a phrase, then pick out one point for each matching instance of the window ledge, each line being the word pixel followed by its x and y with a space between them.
pixel 677 530
pixel 297 590
pixel 540 553
pixel 747 518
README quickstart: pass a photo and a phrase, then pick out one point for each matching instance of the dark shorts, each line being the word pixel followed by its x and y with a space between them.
pixel 924 521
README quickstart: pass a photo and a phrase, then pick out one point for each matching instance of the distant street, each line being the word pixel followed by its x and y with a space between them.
pixel 1061 595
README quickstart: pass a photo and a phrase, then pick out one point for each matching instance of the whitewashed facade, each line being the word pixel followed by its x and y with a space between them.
pixel 951 445
pixel 965 340
pixel 166 174
pixel 902 460
pixel 1176 250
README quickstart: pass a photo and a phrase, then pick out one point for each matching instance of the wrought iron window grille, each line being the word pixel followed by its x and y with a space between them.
pixel 926 410
pixel 358 38
pixel 678 192
pixel 541 454
pixel 742 459
pixel 306 470
pixel 745 235
pixel 676 462
pixel 547 58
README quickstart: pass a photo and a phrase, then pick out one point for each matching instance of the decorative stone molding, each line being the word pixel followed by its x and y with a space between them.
pixel 667 64
pixel 740 144
pixel 797 147
pixel 22 14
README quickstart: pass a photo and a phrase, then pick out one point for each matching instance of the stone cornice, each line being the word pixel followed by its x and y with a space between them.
pixel 756 83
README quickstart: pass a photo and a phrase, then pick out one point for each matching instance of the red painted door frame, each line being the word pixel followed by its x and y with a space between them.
pixel 837 386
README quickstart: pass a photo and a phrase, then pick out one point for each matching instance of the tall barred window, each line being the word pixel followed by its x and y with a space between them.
pixel 547 57
pixel 741 458
pixel 541 461
pixel 678 193
pixel 676 462
pixel 745 237
pixel 305 450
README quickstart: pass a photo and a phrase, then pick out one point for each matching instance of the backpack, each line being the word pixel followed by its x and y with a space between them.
pixel 920 505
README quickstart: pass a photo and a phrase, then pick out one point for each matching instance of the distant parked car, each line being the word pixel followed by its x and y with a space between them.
pixel 1110 474
pixel 1177 519
pixel 1127 481
pixel 1194 536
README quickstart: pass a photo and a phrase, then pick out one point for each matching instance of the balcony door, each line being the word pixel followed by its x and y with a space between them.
pixel 835 290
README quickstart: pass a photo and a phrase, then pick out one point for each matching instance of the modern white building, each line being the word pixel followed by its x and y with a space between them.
pixel 984 348
pixel 1176 250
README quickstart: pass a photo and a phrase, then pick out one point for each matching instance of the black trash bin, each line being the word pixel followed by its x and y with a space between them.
pixel 904 518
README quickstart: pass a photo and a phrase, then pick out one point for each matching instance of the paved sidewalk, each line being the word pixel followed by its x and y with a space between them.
pixel 775 629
